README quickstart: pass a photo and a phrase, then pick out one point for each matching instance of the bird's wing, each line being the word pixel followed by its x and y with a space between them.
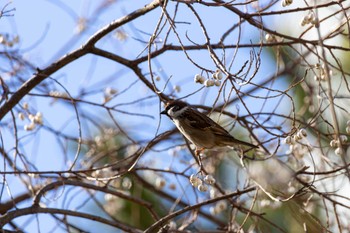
pixel 199 120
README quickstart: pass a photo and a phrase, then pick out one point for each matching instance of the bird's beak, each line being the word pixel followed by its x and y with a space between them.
pixel 164 112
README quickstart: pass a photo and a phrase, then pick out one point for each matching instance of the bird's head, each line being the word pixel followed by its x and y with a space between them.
pixel 175 108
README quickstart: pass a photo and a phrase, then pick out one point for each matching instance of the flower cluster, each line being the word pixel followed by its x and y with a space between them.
pixel 309 19
pixel 7 41
pixel 215 80
pixel 114 203
pixel 35 120
pixel 58 94
pixel 295 147
pixel 201 184
pixel 335 143
pixel 322 73
pixel 290 140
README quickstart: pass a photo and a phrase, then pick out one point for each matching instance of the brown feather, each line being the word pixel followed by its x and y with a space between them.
pixel 200 129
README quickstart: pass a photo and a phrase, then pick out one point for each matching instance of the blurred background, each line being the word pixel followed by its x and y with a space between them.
pixel 84 148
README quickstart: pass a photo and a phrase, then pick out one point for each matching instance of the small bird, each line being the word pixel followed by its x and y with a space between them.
pixel 198 128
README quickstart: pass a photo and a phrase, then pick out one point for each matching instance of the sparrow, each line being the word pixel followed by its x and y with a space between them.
pixel 199 129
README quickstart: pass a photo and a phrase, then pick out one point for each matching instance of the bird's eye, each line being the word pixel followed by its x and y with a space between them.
pixel 175 108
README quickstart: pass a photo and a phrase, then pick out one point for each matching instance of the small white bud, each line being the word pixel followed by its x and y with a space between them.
pixel 288 140
pixel 21 116
pixel 303 132
pixel 338 151
pixel 109 197
pixel 286 3
pixel 25 105
pixel 202 187
pixel 221 205
pixel 343 138
pixel 110 91
pixel 299 135
pixel 172 225
pixel 296 137
pixel 177 88
pixel 217 75
pixel 217 83
pixel 348 123
pixel 31 117
pixel 195 181
pixel 347 129
pixel 209 179
pixel 209 83
pixel 38 118
pixel 314 21
pixel 265 203
pixel 160 183
pixel 29 127
pixel 172 186
pixel 212 193
pixel 305 20
pixel 198 79
pixel 333 143
pixel 127 184
pixel 270 38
